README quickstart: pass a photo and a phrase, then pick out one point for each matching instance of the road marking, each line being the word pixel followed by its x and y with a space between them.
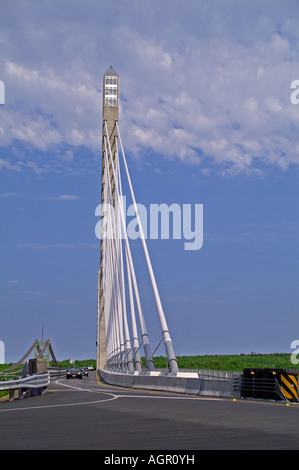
pixel 152 394
pixel 138 396
pixel 169 397
pixel 61 405
pixel 79 388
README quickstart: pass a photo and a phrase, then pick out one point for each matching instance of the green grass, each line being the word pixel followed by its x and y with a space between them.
pixel 235 362
pixel 65 364
pixel 4 367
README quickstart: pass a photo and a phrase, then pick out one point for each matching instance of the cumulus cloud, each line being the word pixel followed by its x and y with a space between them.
pixel 209 87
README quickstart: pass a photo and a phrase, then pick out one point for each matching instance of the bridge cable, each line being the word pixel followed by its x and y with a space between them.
pixel 128 256
pixel 172 361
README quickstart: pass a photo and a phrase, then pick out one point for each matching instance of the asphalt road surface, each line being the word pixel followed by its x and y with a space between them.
pixel 85 414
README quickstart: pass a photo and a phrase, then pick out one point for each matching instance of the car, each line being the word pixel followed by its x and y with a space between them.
pixel 74 373
pixel 90 368
pixel 84 370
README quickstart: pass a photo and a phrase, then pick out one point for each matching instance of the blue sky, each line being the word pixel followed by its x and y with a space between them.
pixel 205 117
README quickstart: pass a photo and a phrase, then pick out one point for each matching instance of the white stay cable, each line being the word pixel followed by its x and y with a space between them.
pixel 110 296
pixel 128 348
pixel 114 305
pixel 166 335
pixel 146 344
pixel 138 363
pixel 119 296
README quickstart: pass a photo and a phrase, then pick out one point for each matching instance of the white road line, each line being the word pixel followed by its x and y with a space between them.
pixel 169 397
pixel 79 388
pixel 59 405
pixel 112 397
pixel 139 396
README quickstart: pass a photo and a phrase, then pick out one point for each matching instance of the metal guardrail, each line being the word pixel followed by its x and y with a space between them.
pixel 216 374
pixel 29 382
pixel 209 373
pixel 56 371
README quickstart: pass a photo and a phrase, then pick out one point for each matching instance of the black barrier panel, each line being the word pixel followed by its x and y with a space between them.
pixel 270 384
pixel 247 383
pixel 258 383
pixel 252 383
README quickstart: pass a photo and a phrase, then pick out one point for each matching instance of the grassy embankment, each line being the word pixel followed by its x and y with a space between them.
pixel 236 362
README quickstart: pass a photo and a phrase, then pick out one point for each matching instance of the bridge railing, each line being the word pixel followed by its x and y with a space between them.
pixel 212 374
pixel 31 385
pixel 56 371
pixel 192 382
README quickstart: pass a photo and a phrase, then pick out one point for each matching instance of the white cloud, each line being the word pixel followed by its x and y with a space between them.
pixel 64 197
pixel 210 86
pixel 5 164
pixel 9 195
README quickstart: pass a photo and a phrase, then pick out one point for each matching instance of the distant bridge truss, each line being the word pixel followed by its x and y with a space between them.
pixel 42 350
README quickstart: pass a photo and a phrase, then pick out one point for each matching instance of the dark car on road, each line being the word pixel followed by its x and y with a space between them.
pixel 84 370
pixel 74 373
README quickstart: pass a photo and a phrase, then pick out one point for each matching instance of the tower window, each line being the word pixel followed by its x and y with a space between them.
pixel 110 91
pixel 111 80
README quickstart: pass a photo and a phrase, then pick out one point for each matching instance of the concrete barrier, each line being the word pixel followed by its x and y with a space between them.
pixel 188 383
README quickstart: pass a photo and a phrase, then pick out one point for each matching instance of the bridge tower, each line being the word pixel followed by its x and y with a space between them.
pixel 114 347
pixel 44 348
pixel 110 116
